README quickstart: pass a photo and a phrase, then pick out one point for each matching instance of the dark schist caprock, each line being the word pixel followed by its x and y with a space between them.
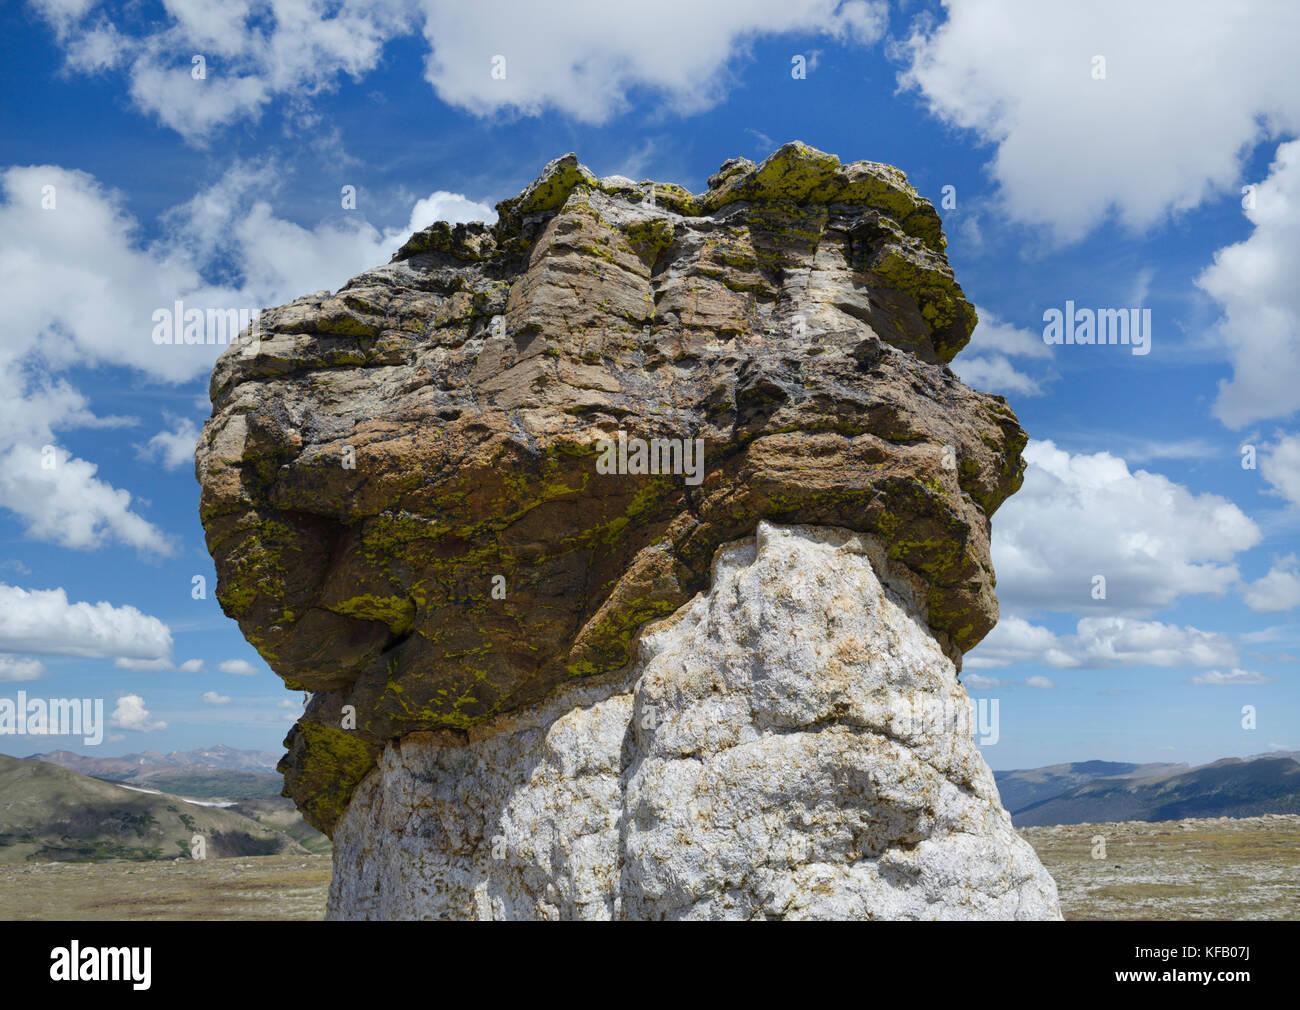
pixel 381 461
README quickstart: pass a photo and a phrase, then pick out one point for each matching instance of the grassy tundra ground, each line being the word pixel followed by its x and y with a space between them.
pixel 1199 868
pixel 1191 869
pixel 250 887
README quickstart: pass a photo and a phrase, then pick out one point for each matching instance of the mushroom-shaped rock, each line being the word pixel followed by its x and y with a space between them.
pixel 467 480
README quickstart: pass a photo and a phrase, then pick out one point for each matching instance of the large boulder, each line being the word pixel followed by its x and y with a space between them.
pixel 406 485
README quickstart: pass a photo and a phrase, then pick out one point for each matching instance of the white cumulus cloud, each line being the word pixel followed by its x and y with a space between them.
pixel 1101 643
pixel 1277 590
pixel 239 667
pixel 1238 676
pixel 1190 87
pixel 978 682
pixel 1121 641
pixel 18 668
pixel 1083 515
pixel 42 621
pixel 252 53
pixel 985 363
pixel 1279 464
pixel 163 665
pixel 1254 282
pixel 130 714
pixel 1014 639
pixel 173 446
pixel 585 58
pixel 493 56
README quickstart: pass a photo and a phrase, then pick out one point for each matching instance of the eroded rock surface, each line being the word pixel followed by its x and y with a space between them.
pixel 792 743
pixel 381 459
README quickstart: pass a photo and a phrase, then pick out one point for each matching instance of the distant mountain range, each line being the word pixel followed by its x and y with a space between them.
pixel 211 773
pixel 220 756
pixel 1098 791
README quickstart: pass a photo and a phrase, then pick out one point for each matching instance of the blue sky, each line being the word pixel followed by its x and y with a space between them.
pixel 1115 191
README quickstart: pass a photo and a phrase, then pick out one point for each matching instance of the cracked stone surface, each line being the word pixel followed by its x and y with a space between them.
pixel 380 458
pixel 789 744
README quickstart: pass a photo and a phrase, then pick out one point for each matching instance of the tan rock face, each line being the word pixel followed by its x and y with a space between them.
pixel 405 485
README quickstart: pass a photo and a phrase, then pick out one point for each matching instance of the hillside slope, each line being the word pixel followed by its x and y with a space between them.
pixel 49 813
pixel 1023 787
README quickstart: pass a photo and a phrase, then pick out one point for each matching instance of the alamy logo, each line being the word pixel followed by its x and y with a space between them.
pixel 179 325
pixel 946 719
pixel 1104 326
pixel 74 963
pixel 658 455
pixel 83 717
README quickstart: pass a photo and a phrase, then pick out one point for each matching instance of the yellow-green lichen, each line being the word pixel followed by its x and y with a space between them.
pixel 336 761
pixel 398 612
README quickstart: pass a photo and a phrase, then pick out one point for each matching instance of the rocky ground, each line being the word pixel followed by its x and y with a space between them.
pixel 257 887
pixel 1198 868
pixel 1192 869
